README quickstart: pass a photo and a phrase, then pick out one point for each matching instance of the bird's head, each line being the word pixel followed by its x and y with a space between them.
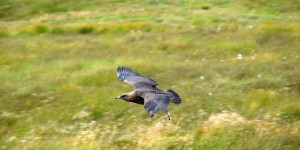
pixel 123 96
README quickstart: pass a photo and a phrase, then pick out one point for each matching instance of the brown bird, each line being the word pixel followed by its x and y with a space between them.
pixel 145 92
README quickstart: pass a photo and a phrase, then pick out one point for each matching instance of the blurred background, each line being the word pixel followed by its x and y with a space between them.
pixel 236 65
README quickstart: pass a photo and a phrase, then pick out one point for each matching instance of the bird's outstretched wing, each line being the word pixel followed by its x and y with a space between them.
pixel 154 102
pixel 136 80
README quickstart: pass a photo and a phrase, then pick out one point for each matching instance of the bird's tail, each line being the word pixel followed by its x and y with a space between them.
pixel 175 98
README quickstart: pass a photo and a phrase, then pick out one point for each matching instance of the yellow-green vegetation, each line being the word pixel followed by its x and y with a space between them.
pixel 236 65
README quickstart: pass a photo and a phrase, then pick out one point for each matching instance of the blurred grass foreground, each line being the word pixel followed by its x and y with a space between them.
pixel 236 65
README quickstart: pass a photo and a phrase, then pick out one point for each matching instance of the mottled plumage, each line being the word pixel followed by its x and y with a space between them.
pixel 145 92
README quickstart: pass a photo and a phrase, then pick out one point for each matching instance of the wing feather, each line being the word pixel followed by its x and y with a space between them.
pixel 133 78
pixel 154 102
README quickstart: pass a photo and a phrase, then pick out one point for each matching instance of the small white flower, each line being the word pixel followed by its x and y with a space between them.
pixel 202 77
pixel 258 76
pixel 23 141
pixel 239 56
pixel 250 26
pixel 93 122
pixel 210 94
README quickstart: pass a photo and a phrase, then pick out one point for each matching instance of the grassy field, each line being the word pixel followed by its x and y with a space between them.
pixel 236 65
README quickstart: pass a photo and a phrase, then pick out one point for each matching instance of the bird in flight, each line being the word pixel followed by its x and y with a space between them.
pixel 145 92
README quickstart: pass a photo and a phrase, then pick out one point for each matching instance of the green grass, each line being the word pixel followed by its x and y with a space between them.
pixel 234 63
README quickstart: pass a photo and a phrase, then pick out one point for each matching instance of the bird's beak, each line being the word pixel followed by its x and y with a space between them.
pixel 117 97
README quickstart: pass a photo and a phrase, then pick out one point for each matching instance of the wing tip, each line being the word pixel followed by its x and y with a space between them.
pixel 123 72
pixel 119 72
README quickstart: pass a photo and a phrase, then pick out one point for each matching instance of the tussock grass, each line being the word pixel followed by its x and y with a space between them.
pixel 91 28
pixel 236 69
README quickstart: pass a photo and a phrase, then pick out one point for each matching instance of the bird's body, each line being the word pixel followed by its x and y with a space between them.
pixel 146 92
